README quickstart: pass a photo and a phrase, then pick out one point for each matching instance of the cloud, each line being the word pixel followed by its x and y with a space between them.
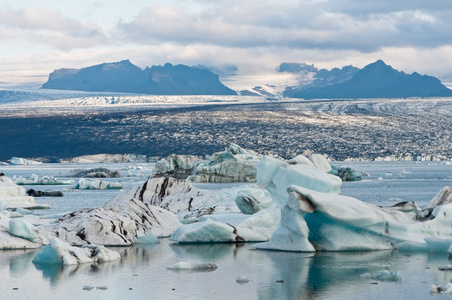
pixel 48 27
pixel 411 35
pixel 342 25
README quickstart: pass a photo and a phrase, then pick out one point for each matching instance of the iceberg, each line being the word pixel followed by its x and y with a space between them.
pixel 95 173
pixel 235 164
pixel 122 221
pixel 443 197
pixel 109 158
pixel 177 166
pixel 320 162
pixel 249 204
pixel 208 231
pixel 23 161
pixel 18 234
pixel 45 180
pixel 329 222
pixel 119 225
pixel 97 184
pixel 13 196
pixel 59 252
pixel 211 229
pixel 277 175
pixel 10 242
pixel 22 229
pixel 346 174
pixel 186 201
pixel 156 207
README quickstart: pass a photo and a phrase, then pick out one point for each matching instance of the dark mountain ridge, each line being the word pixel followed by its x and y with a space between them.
pixel 376 80
pixel 125 77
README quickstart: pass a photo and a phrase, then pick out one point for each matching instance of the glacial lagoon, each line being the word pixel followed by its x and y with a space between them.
pixel 142 271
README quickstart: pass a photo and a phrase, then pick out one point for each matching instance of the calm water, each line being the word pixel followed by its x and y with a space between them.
pixel 142 271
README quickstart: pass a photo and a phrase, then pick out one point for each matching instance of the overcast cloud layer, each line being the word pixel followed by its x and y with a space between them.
pixel 410 35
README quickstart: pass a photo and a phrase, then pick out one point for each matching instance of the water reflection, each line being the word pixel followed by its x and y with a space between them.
pixel 327 275
pixel 20 261
pixel 273 275
pixel 201 252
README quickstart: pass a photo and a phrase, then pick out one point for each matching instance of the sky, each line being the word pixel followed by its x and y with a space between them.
pixel 37 37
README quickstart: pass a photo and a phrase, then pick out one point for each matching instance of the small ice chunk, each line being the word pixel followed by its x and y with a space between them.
pixel 184 265
pixel 242 279
pixel 383 275
pixel 447 288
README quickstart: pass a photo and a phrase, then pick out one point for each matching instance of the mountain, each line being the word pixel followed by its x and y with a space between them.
pixel 296 67
pixel 376 80
pixel 125 77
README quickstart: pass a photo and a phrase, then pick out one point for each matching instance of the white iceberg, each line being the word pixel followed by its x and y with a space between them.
pixel 23 161
pixel 44 180
pixel 17 234
pixel 59 252
pixel 442 197
pixel 13 196
pixel 277 175
pixel 211 229
pixel 320 162
pixel 97 184
pixel 235 164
